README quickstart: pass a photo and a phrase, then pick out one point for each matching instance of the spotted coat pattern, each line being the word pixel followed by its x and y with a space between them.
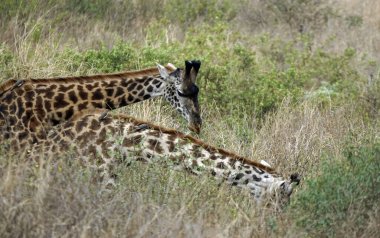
pixel 29 108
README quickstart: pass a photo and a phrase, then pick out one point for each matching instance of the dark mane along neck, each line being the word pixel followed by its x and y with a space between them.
pixel 9 84
pixel 195 141
pixel 126 75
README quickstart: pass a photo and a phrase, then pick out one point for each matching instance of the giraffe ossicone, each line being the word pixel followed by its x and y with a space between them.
pixel 30 107
pixel 93 140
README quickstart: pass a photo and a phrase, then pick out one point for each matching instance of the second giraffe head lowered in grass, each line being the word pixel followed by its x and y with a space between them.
pixel 104 141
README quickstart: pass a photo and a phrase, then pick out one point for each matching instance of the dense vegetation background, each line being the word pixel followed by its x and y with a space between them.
pixel 293 82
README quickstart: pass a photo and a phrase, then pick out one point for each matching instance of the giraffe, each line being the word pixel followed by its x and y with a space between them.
pixel 28 108
pixel 103 141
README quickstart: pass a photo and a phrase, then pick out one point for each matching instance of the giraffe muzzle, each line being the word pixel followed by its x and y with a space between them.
pixel 195 124
pixel 195 128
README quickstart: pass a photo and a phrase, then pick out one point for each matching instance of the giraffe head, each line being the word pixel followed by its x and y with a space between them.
pixel 281 190
pixel 182 92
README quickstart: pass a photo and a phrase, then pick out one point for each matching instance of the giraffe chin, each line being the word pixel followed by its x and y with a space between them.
pixel 195 129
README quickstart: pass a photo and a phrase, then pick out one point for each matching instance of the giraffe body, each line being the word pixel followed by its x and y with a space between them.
pixel 29 108
pixel 96 139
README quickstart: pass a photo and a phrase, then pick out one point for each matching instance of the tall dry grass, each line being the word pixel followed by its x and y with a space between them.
pixel 150 200
pixel 61 200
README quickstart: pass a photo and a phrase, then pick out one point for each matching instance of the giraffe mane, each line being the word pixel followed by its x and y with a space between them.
pixel 192 139
pixel 196 141
pixel 7 85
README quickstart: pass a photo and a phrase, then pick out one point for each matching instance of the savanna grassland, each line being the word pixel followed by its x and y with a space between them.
pixel 292 82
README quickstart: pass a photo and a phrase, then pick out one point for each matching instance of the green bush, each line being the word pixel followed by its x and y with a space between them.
pixel 104 60
pixel 238 79
pixel 345 192
pixel 6 60
pixel 187 12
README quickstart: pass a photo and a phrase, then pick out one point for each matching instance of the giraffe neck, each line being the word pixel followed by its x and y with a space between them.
pixel 95 135
pixel 99 91
pixel 29 107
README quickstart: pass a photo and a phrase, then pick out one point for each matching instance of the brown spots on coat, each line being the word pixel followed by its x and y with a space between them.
pixel 156 81
pixel 97 95
pixel 119 92
pixel 172 137
pixel 97 104
pixel 257 170
pixel 72 96
pixel 171 146
pixel 132 141
pixel 80 125
pixel 109 92
pixel 95 125
pixel 213 157
pixel 59 101
pixel 255 178
pixel 33 123
pixel 239 176
pixel 90 87
pixel 139 87
pixel 141 94
pixel 213 172
pixel 131 86
pixel 92 150
pixel 69 113
pixel 155 145
pixel 20 108
pixel 232 162
pixel 39 103
pixel 220 165
pixel 102 136
pixel 197 153
pixel 223 157
pixel 154 133
pixel 130 98
pixel 83 95
pixel 19 92
pixel 123 102
pixel 47 105
pixel 12 120
pixel 29 95
pixel 22 135
pixel 64 88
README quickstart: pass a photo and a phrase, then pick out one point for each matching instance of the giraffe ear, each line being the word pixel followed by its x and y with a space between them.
pixel 187 82
pixel 194 70
pixel 163 71
pixel 263 162
pixel 171 66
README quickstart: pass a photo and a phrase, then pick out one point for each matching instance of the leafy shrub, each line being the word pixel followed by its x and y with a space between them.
pixel 6 59
pixel 97 8
pixel 345 192
pixel 187 12
pixel 238 79
pixel 105 60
